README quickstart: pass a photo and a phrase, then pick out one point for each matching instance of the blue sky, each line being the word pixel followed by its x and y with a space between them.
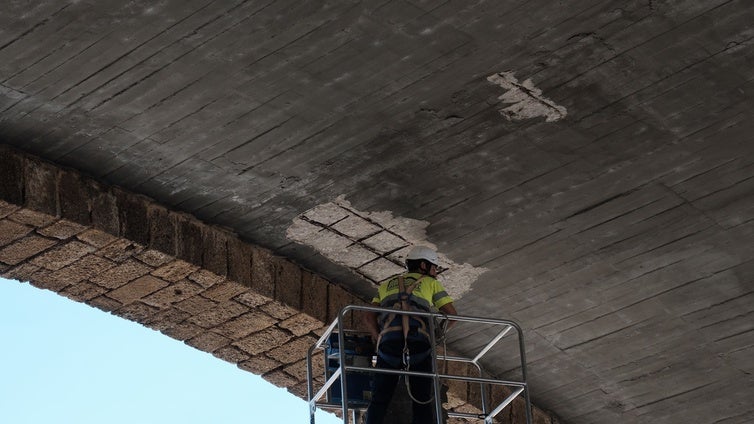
pixel 64 362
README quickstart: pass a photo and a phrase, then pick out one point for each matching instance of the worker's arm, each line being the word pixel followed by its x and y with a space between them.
pixel 449 309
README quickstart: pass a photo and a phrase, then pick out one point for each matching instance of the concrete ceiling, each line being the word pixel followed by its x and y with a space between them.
pixel 584 168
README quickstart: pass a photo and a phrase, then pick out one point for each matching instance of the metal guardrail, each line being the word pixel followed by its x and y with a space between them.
pixel 488 411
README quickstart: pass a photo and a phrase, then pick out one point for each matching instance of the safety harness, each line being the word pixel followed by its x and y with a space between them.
pixel 390 327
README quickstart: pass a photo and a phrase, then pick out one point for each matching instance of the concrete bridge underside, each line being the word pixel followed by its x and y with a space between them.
pixel 231 173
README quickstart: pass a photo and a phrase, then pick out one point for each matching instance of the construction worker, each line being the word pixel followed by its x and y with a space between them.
pixel 409 349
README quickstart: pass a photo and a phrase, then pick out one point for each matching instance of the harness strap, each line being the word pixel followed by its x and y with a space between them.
pixel 404 294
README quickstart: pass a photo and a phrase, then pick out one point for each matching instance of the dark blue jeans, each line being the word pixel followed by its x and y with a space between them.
pixel 384 387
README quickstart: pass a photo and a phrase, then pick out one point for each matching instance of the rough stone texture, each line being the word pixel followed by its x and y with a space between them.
pixel 175 271
pixel 11 231
pixel 314 296
pixel 25 249
pixel 301 324
pixel 137 289
pixel 62 229
pixel 64 255
pixel 264 326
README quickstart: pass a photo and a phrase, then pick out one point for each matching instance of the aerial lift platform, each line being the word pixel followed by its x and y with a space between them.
pixel 345 353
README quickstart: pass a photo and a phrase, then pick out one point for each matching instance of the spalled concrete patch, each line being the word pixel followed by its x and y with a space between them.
pixel 528 101
pixel 374 244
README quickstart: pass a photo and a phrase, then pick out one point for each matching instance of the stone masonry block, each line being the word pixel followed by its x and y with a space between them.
pixel 252 299
pixel 245 324
pixel 11 176
pixel 153 257
pixel 215 250
pixel 208 341
pixel 104 303
pixel 75 195
pixel 239 261
pixel 196 305
pixel 105 215
pixel 231 354
pixel 137 289
pixel 263 272
pixel 259 364
pixel 460 389
pixel 301 324
pixel 205 278
pixel 62 230
pixel 314 296
pixel 136 311
pixel 40 191
pixel 188 239
pixel 288 283
pixel 475 395
pixel 173 294
pixel 278 310
pixel 183 331
pixel 7 208
pixel 498 393
pixel 120 250
pixel 292 351
pixel 132 214
pixel 297 370
pixel 175 271
pixel 300 390
pixel 121 274
pixel 43 279
pixel 96 238
pixel 518 410
pixel 339 298
pixel 167 318
pixel 452 402
pixel 11 231
pixel 83 291
pixel 32 217
pixel 218 314
pixel 83 269
pixel 22 272
pixel 161 230
pixel 263 341
pixel 63 255
pixel 224 291
pixel 24 249
pixel 280 378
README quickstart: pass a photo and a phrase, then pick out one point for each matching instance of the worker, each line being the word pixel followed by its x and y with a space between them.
pixel 410 350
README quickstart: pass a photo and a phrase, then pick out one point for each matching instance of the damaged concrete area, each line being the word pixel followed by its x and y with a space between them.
pixel 527 100
pixel 373 244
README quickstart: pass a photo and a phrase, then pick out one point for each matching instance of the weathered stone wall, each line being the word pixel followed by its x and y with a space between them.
pixel 124 254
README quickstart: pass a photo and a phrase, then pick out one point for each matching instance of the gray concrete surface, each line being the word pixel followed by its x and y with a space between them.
pixel 584 168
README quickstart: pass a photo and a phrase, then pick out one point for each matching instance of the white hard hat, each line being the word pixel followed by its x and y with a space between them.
pixel 422 252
